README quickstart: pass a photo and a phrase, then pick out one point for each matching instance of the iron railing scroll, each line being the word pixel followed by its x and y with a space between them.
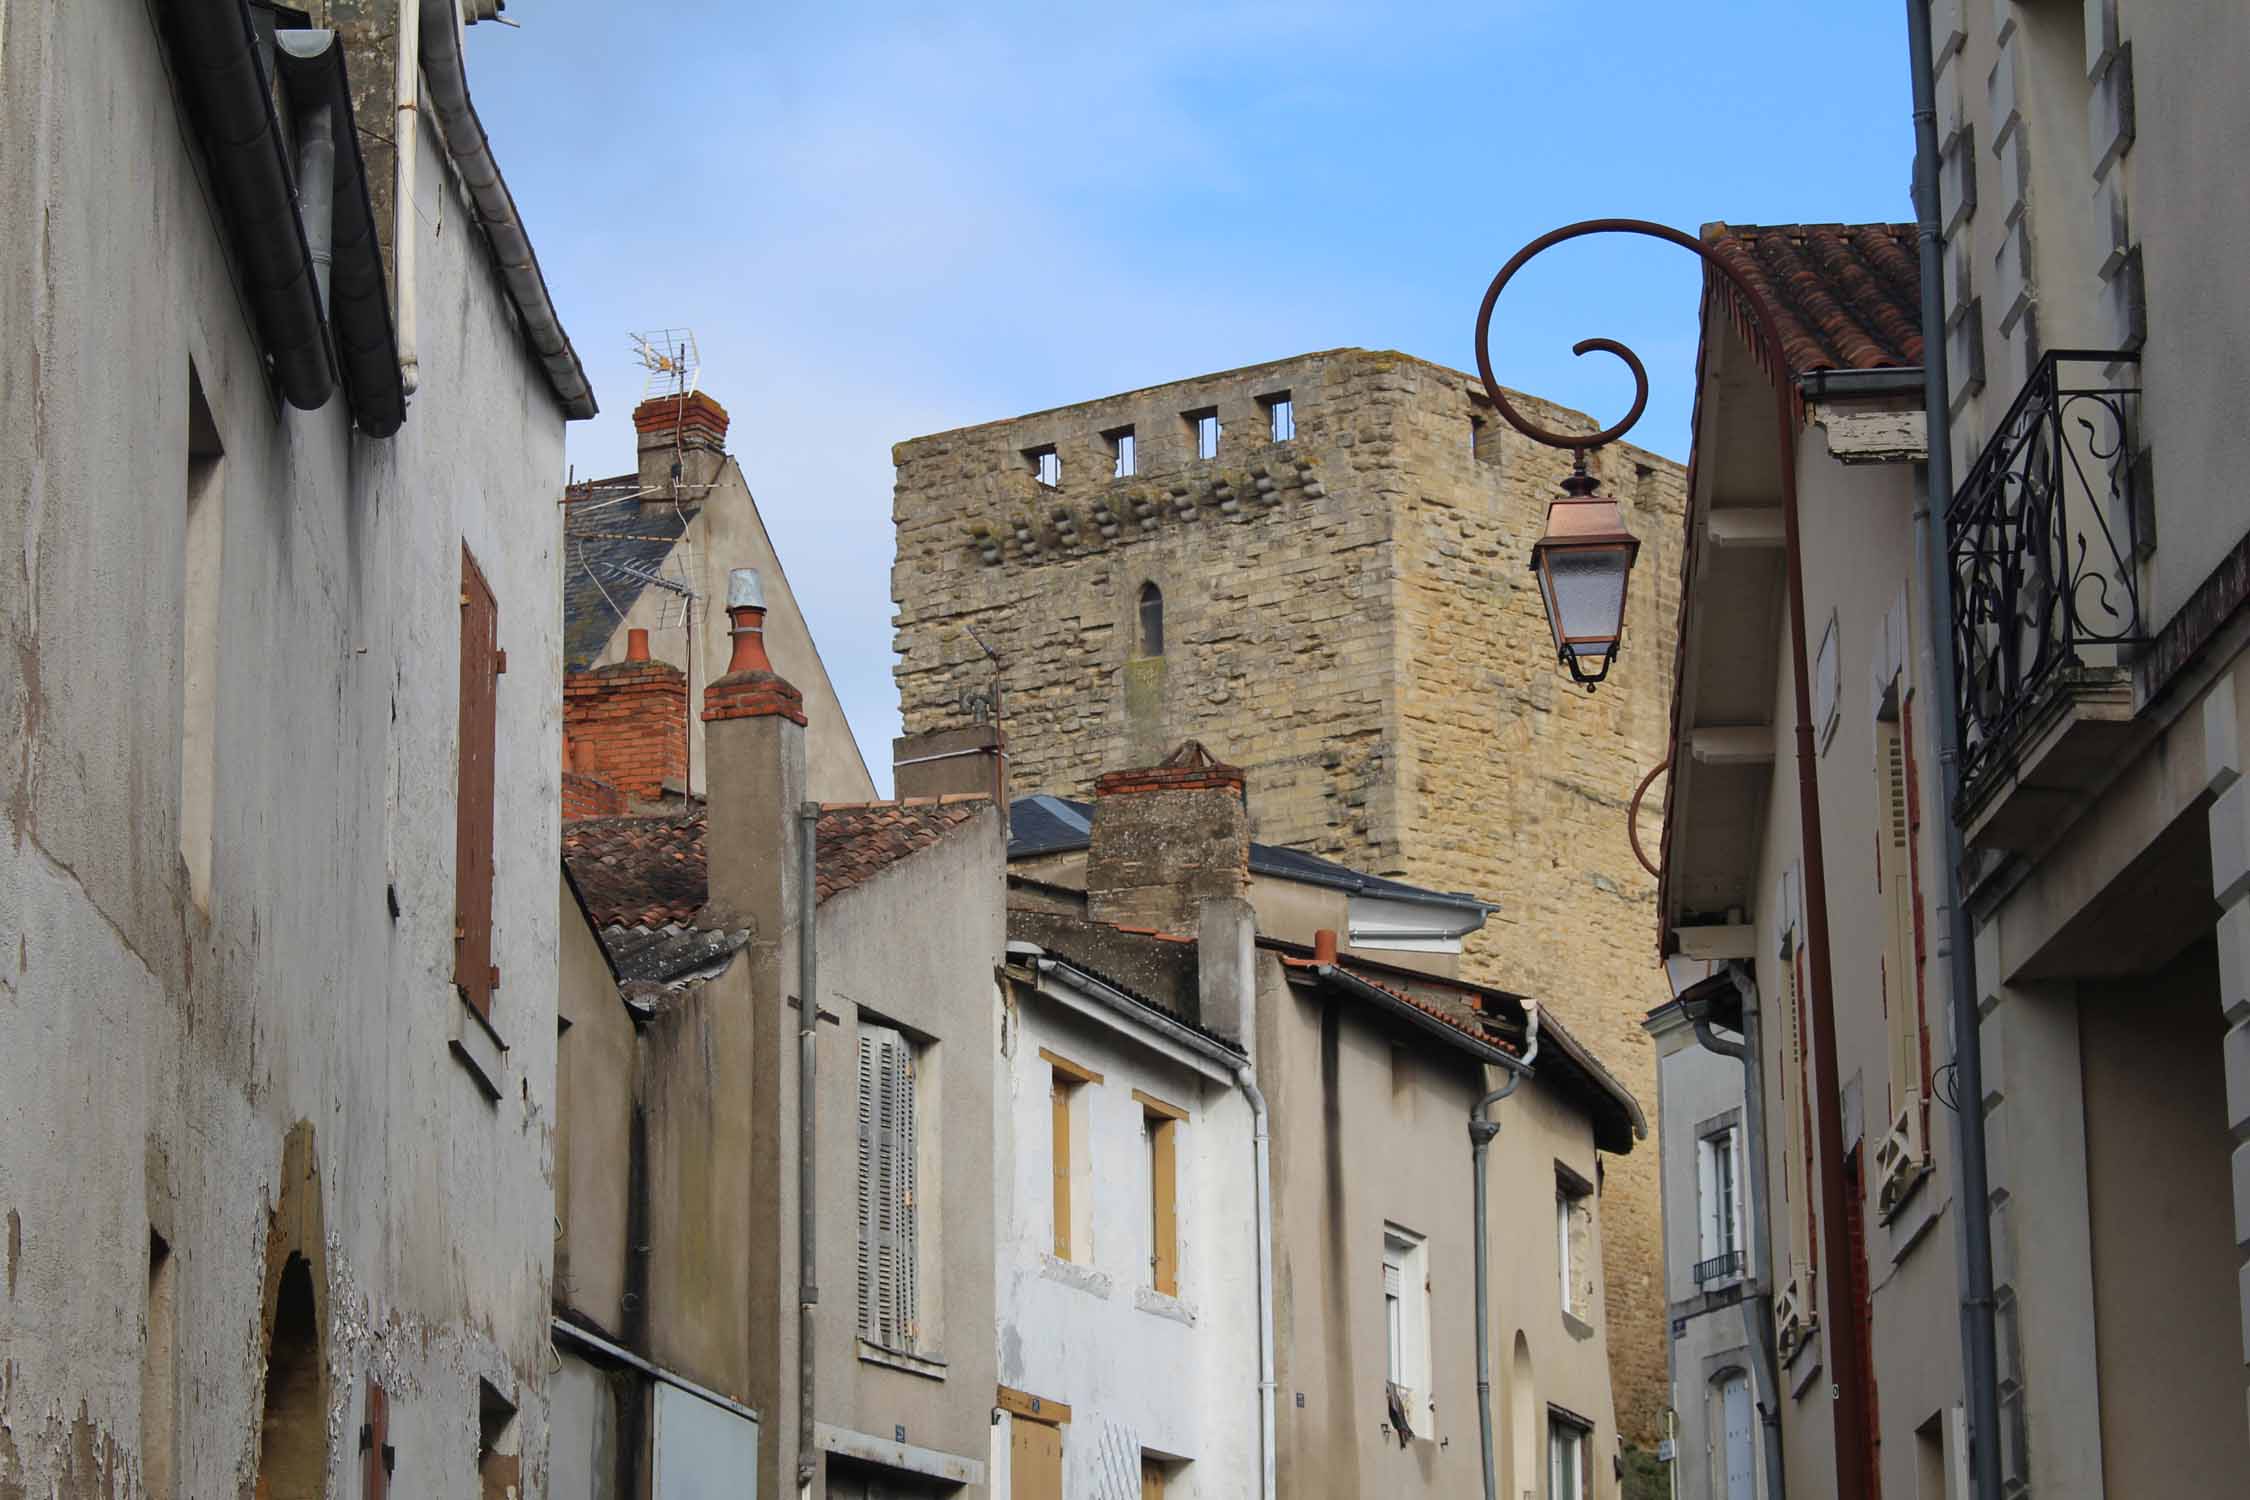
pixel 2045 551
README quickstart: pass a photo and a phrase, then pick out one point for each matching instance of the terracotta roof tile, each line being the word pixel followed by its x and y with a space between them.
pixel 1849 295
pixel 651 871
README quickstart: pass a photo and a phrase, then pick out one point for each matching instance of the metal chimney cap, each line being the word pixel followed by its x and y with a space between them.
pixel 744 591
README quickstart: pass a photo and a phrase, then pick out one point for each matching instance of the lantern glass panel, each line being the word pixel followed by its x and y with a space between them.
pixel 1586 594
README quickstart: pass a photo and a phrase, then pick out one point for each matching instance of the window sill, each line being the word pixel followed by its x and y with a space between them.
pixel 1163 1305
pixel 1907 1194
pixel 1577 1327
pixel 477 1047
pixel 899 1359
pixel 1071 1274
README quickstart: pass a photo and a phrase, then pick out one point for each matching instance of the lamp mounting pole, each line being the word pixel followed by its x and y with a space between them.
pixel 1853 1442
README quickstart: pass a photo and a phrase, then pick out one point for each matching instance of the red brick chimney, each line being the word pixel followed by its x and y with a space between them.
pixel 1166 839
pixel 626 724
pixel 683 444
pixel 754 747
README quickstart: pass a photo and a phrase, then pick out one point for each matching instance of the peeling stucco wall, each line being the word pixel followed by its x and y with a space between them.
pixel 154 1058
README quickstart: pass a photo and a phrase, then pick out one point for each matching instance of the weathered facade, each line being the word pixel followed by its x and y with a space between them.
pixel 276 1019
pixel 678 1171
pixel 2095 809
pixel 1339 600
pixel 1369 1069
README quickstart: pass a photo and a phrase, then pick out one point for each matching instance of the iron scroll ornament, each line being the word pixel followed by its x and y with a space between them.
pixel 1753 299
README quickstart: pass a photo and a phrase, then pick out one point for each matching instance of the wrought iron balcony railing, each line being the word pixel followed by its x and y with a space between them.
pixel 2044 551
pixel 1727 1267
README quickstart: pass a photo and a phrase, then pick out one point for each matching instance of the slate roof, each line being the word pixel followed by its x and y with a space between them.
pixel 609 545
pixel 1849 295
pixel 1059 825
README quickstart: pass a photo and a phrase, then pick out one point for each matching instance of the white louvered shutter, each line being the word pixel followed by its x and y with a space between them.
pixel 907 1309
pixel 870 1048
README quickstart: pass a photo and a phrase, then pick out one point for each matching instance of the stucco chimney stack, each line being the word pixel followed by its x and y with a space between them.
pixel 636 644
pixel 1167 839
pixel 754 748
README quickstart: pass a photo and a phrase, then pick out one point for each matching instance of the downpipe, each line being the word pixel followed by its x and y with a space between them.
pixel 1980 1365
pixel 1246 1079
pixel 808 1073
pixel 1482 1128
pixel 406 145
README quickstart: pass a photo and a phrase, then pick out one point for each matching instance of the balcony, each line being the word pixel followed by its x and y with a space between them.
pixel 1727 1267
pixel 2047 608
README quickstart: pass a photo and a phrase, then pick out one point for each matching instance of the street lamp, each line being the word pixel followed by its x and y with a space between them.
pixel 1583 564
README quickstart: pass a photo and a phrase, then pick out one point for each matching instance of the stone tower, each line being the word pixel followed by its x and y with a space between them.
pixel 1337 599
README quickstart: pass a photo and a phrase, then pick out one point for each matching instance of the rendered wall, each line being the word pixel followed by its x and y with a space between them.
pixel 1174 1375
pixel 154 1059
pixel 1361 635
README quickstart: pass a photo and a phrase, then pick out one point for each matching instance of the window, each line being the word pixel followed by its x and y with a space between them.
pixel 1574 1230
pixel 1151 641
pixel 1121 449
pixel 199 654
pixel 1896 874
pixel 1567 1442
pixel 1281 417
pixel 1825 693
pixel 482 662
pixel 1718 1207
pixel 1406 1327
pixel 1160 1124
pixel 1733 1438
pixel 1073 1208
pixel 1205 426
pixel 1046 465
pixel 889 1151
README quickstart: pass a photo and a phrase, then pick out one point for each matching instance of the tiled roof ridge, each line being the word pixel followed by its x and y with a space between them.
pixel 1846 295
pixel 1478 1033
pixel 943 799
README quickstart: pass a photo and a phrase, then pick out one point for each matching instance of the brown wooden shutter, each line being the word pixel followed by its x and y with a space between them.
pixel 472 847
pixel 375 1446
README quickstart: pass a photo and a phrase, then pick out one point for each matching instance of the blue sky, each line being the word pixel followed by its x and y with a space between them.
pixel 887 221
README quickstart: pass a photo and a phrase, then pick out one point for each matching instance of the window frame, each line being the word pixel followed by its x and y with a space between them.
pixel 1045 463
pixel 1148 639
pixel 891 1322
pixel 1281 417
pixel 1406 1324
pixel 1067 1151
pixel 1160 1126
pixel 1566 1433
pixel 1574 1219
pixel 1205 432
pixel 1718 1195
pixel 1124 452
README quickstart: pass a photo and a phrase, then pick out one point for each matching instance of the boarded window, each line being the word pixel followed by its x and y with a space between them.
pixel 473 971
pixel 1151 633
pixel 888 1213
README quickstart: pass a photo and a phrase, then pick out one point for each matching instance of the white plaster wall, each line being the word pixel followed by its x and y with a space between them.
pixel 1138 1370
pixel 152 1059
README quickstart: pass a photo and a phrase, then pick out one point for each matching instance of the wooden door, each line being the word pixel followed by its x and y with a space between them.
pixel 1152 1479
pixel 1036 1461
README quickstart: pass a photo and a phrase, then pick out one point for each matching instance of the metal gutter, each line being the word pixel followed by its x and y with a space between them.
pixel 471 151
pixel 1834 385
pixel 216 44
pixel 353 292
pixel 1132 1009
pixel 1384 999
pixel 572 1333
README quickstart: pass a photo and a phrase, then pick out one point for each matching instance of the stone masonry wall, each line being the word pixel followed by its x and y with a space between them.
pixel 1349 616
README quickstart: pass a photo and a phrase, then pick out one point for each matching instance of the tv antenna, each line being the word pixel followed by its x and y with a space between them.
pixel 671 359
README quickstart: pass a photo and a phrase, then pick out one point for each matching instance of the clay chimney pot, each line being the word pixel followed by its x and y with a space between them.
pixel 636 644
